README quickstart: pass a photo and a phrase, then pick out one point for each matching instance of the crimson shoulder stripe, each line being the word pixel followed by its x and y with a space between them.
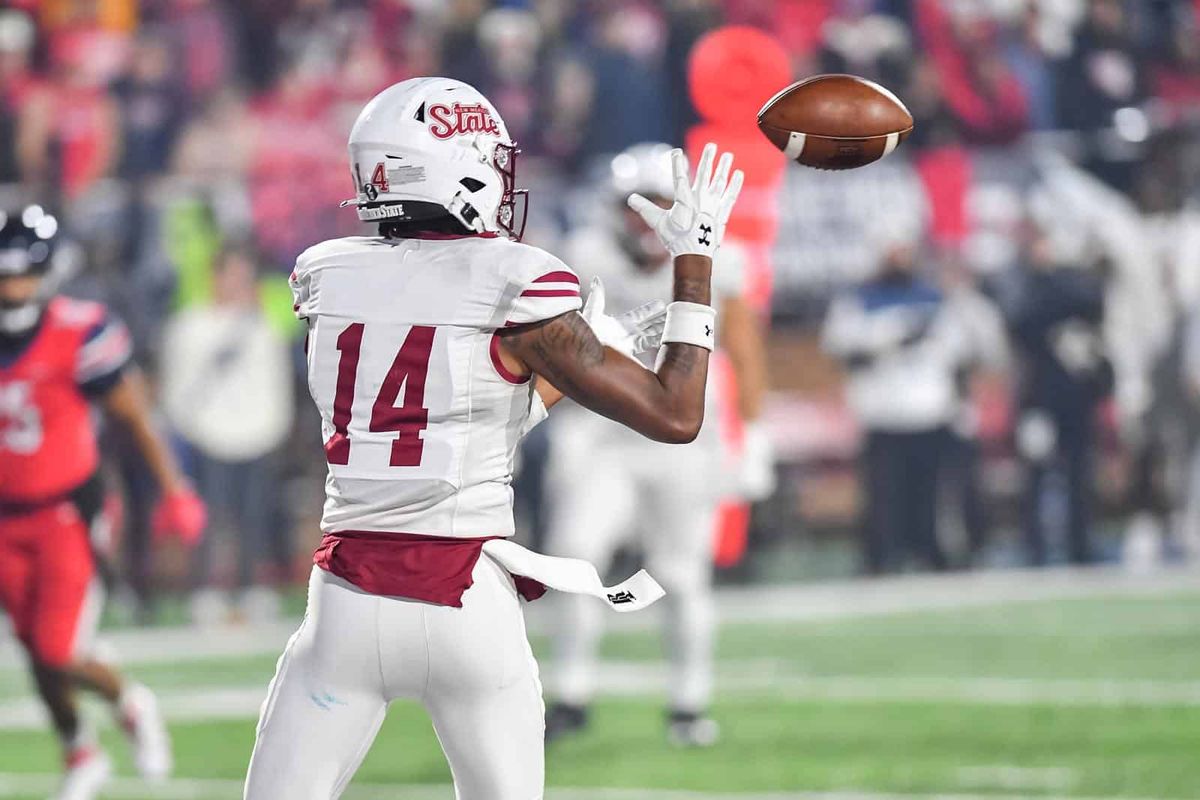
pixel 550 293
pixel 562 276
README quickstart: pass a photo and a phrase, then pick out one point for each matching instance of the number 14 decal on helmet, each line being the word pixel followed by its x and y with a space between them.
pixel 408 420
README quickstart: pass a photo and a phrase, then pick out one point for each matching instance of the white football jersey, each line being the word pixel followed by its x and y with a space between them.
pixel 420 419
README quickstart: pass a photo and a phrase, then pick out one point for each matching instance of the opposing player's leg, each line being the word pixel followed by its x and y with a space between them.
pixel 326 701
pixel 49 586
pixel 486 709
pixel 593 499
pixel 681 524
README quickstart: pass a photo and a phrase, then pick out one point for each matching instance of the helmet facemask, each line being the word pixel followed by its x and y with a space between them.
pixel 513 211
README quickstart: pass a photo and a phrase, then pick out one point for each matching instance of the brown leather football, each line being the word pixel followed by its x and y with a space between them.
pixel 835 121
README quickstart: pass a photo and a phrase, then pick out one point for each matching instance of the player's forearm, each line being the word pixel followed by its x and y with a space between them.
pixel 693 279
pixel 667 406
pixel 742 340
pixel 683 368
pixel 158 457
pixel 547 391
pixel 128 405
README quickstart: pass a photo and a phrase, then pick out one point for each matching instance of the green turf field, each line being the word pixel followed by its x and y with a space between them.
pixel 1095 696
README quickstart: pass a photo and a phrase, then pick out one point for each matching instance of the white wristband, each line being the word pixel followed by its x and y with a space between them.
pixel 691 323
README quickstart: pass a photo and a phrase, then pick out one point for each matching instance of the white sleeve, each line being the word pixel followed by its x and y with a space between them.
pixel 302 301
pixel 552 291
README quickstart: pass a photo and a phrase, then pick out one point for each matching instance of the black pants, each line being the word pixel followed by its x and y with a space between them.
pixel 1073 464
pixel 900 480
pixel 961 471
pixel 242 500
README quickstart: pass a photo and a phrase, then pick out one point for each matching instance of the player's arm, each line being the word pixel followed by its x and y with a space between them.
pixel 637 331
pixel 180 511
pixel 666 404
pixel 127 404
pixel 105 373
pixel 547 392
pixel 742 341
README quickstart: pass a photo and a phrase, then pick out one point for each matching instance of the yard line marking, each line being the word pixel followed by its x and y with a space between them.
pixel 771 678
pixel 1014 776
pixel 990 691
pixel 17 784
pixel 835 600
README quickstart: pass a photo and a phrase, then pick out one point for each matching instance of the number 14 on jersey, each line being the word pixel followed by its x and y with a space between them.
pixel 408 373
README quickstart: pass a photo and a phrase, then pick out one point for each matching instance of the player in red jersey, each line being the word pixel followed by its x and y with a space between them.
pixel 58 358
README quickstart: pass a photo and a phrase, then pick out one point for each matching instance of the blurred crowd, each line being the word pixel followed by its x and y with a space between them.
pixel 1009 298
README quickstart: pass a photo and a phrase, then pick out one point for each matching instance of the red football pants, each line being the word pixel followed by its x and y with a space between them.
pixel 48 582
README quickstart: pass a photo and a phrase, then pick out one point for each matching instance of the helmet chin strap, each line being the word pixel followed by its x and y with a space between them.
pixel 20 320
pixel 465 213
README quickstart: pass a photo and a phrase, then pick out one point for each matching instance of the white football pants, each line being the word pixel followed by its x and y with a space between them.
pixel 602 497
pixel 470 667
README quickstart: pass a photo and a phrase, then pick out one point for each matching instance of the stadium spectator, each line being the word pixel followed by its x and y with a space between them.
pixel 16 82
pixel 1176 77
pixel 981 352
pixel 227 391
pixel 1106 79
pixel 204 35
pixel 150 107
pixel 630 88
pixel 1029 51
pixel 296 172
pixel 891 334
pixel 510 42
pixel 1054 310
pixel 1190 522
pixel 70 131
pixel 214 148
pixel 979 88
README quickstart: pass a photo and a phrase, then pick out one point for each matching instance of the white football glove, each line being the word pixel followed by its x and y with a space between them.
pixel 696 221
pixel 632 333
pixel 756 469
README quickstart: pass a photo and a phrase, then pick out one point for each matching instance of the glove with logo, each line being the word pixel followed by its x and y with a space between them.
pixel 695 223
pixel 630 334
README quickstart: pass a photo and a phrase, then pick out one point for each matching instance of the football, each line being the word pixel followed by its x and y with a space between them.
pixel 835 121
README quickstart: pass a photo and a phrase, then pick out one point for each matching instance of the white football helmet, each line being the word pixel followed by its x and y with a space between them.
pixel 643 168
pixel 425 147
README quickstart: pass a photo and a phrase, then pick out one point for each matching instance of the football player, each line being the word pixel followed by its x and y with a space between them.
pixel 606 484
pixel 58 358
pixel 423 344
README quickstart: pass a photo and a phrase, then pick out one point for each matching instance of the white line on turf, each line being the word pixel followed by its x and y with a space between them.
pixel 16 784
pixel 751 678
pixel 1013 777
pixel 810 602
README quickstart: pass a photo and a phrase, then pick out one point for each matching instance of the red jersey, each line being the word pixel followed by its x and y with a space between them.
pixel 47 435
